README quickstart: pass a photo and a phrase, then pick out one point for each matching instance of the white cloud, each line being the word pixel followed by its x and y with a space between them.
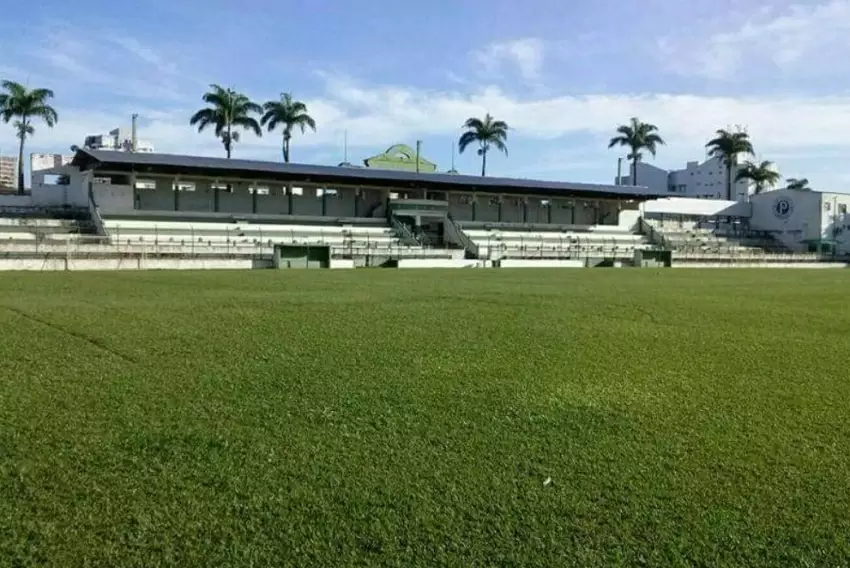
pixel 104 97
pixel 803 40
pixel 526 55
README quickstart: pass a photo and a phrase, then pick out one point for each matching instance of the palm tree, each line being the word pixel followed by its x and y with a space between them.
pixel 487 132
pixel 227 109
pixel 637 136
pixel 25 104
pixel 801 184
pixel 728 146
pixel 762 175
pixel 290 113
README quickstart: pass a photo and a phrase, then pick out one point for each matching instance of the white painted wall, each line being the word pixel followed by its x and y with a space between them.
pixel 130 263
pixel 542 263
pixel 695 207
pixel 439 263
pixel 648 175
pixel 796 216
pixel 113 197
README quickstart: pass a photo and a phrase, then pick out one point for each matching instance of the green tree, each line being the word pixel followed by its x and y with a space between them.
pixel 487 133
pixel 18 102
pixel 798 184
pixel 728 146
pixel 637 136
pixel 226 111
pixel 290 114
pixel 762 175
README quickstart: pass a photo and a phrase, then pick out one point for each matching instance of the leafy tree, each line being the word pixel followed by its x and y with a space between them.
pixel 798 184
pixel 290 114
pixel 762 175
pixel 24 104
pixel 227 111
pixel 637 136
pixel 728 146
pixel 486 133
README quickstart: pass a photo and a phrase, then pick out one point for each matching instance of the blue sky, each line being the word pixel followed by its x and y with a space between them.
pixel 562 74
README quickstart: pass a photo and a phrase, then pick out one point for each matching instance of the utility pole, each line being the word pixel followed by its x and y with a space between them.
pixel 619 171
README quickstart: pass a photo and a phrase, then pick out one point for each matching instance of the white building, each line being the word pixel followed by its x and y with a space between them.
pixel 706 180
pixel 119 139
pixel 804 220
pixel 8 172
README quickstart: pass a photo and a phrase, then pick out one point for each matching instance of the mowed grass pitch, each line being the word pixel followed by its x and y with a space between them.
pixel 413 418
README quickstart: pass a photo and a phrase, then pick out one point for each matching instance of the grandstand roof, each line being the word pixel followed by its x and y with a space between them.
pixel 149 163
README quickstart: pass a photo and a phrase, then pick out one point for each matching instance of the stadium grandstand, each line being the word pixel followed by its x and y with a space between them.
pixel 148 210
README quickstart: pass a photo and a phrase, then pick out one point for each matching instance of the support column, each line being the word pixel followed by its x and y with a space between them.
pixel 549 205
pixel 290 199
pixel 573 212
pixel 501 199
pixel 136 199
pixel 215 196
pixel 175 186
pixel 324 201
pixel 253 191
pixel 525 210
pixel 356 201
pixel 474 205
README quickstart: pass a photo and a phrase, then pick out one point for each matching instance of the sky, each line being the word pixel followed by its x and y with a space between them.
pixel 563 75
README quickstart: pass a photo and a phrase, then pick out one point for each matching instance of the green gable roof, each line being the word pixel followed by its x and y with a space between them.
pixel 400 157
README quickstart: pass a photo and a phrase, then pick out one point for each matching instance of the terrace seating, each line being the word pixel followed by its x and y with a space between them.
pixel 553 241
pixel 31 229
pixel 240 236
pixel 698 242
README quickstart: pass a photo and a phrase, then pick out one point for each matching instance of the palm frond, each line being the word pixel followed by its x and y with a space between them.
pixel 465 140
pixel 248 123
pixel 473 124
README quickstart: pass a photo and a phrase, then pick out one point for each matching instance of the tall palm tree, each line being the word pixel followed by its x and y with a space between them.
pixel 798 184
pixel 728 146
pixel 762 175
pixel 289 113
pixel 637 136
pixel 487 133
pixel 227 110
pixel 25 104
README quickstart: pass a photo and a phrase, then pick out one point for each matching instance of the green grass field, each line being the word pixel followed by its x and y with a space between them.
pixel 413 418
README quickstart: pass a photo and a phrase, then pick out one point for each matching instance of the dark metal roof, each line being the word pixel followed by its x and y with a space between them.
pixel 142 163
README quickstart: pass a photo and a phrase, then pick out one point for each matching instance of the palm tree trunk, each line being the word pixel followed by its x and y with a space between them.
pixel 634 170
pixel 484 163
pixel 229 141
pixel 21 162
pixel 286 149
pixel 729 181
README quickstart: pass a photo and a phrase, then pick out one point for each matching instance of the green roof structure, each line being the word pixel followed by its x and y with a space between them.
pixel 400 157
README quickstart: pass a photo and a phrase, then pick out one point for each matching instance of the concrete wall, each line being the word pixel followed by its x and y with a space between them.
pixel 696 207
pixel 113 197
pixel 440 263
pixel 796 216
pixel 543 263
pixel 130 263
pixel 792 216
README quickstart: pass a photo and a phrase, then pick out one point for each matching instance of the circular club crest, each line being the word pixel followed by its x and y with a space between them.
pixel 783 207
